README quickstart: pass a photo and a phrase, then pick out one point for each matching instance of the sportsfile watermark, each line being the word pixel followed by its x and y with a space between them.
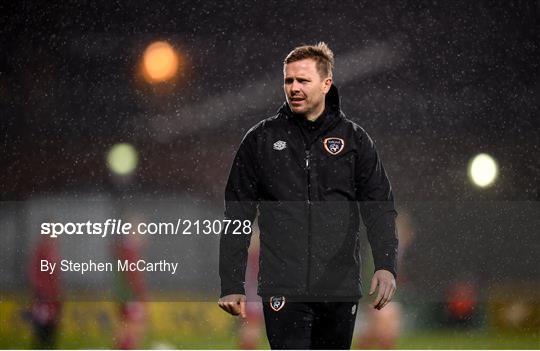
pixel 91 246
pixel 121 227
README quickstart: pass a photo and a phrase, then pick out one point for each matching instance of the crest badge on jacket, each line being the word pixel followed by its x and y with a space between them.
pixel 333 145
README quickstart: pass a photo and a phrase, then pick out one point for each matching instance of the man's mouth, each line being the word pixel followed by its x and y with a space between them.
pixel 296 100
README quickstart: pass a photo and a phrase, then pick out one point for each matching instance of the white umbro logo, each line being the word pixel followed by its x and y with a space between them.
pixel 280 145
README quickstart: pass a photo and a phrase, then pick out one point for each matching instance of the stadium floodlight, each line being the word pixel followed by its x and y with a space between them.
pixel 483 170
pixel 122 159
pixel 160 62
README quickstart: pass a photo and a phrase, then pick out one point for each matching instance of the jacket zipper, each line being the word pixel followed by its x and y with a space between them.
pixel 309 218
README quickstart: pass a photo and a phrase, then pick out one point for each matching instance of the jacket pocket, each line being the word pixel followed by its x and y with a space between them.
pixel 337 177
pixel 284 246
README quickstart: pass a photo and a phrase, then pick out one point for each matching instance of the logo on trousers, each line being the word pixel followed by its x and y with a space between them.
pixel 277 302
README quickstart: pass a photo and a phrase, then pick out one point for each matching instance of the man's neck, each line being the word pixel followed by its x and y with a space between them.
pixel 312 117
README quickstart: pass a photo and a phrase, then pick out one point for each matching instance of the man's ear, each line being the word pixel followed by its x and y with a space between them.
pixel 327 84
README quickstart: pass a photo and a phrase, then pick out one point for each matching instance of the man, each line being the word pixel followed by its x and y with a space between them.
pixel 308 170
pixel 131 293
pixel 46 288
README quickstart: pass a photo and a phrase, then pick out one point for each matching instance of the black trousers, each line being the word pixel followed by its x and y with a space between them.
pixel 45 336
pixel 309 325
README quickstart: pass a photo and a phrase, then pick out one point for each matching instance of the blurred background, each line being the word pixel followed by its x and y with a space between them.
pixel 135 110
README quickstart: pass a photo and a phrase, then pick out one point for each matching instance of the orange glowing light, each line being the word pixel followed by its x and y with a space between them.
pixel 160 62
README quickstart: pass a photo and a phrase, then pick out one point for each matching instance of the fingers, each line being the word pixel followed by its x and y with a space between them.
pixel 374 282
pixel 230 307
pixel 380 296
pixel 235 306
pixel 243 307
pixel 387 287
pixel 392 293
pixel 388 295
pixel 226 306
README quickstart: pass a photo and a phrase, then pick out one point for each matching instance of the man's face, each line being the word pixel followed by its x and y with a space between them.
pixel 305 90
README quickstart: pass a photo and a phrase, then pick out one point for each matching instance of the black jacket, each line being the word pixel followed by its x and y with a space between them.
pixel 308 194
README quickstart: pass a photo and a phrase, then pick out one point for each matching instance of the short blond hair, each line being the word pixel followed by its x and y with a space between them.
pixel 321 53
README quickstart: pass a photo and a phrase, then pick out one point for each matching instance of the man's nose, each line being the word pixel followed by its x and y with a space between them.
pixel 295 86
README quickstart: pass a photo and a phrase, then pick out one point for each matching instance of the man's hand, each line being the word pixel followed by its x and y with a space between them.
pixel 387 288
pixel 235 304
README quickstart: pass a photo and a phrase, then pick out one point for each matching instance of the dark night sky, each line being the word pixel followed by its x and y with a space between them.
pixel 466 82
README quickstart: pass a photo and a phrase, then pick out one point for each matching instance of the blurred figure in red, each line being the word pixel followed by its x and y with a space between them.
pixel 46 290
pixel 461 301
pixel 131 292
pixel 251 326
pixel 384 325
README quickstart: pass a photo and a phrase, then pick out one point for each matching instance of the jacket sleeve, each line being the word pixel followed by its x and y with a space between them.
pixel 374 193
pixel 241 196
